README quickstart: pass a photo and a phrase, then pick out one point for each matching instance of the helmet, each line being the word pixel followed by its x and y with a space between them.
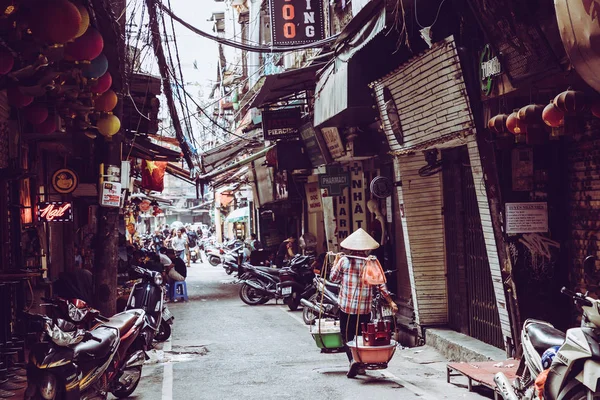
pixel 548 356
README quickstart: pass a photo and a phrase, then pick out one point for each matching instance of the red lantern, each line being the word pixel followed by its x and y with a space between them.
pixel 7 61
pixel 497 123
pixel 106 102
pixel 596 109
pixel 18 99
pixel 553 116
pixel 36 114
pixel 102 84
pixel 570 101
pixel 145 205
pixel 515 125
pixel 55 21
pixel 86 47
pixel 46 127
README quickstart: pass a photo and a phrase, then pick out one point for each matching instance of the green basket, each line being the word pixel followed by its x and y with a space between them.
pixel 328 340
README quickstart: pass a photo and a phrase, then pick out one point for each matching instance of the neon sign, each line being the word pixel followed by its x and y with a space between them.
pixel 55 211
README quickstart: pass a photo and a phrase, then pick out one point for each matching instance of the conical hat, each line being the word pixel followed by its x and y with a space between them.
pixel 359 240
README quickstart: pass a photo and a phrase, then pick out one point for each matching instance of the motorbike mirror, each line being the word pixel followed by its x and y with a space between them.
pixel 589 265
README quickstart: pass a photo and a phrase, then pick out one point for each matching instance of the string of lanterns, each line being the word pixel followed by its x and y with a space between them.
pixel 53 68
pixel 533 122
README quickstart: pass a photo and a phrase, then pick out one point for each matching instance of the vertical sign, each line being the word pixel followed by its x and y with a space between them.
pixel 343 215
pixel 334 142
pixel 297 21
pixel 313 197
pixel 357 193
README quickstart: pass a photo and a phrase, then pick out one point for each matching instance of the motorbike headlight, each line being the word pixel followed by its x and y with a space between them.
pixel 158 280
pixel 77 314
pixel 48 386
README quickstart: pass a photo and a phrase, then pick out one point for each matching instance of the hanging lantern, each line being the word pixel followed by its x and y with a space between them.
pixel 102 84
pixel 595 108
pixel 497 123
pixel 7 61
pixel 536 129
pixel 36 113
pixel 55 22
pixel 46 127
pixel 106 102
pixel 96 68
pixel 570 101
pixel 515 125
pixel 87 47
pixel 85 20
pixel 17 99
pixel 108 125
pixel 553 116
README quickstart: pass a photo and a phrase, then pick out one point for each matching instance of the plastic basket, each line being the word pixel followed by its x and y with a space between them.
pixel 371 354
pixel 328 340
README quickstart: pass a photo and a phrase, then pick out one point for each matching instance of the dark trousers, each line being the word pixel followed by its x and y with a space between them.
pixel 348 328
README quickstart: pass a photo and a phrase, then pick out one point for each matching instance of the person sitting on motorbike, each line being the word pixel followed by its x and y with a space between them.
pixel 177 270
pixel 355 296
pixel 287 250
pixel 157 240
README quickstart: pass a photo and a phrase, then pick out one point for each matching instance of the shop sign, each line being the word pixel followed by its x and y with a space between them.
pixel 296 21
pixel 313 197
pixel 110 195
pixel 64 181
pixel 530 217
pixel 343 215
pixel 311 144
pixel 55 211
pixel 357 194
pixel 281 124
pixel 489 68
pixel 334 142
pixel 334 180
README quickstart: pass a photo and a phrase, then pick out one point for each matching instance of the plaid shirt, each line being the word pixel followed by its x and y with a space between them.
pixel 348 271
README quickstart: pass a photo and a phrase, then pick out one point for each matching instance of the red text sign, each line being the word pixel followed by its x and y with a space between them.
pixel 55 211
pixel 296 21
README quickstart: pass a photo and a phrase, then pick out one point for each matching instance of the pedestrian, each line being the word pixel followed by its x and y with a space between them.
pixel 355 296
pixel 158 240
pixel 192 243
pixel 179 243
pixel 255 244
pixel 287 249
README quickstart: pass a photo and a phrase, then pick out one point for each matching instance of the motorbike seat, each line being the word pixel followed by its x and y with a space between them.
pixel 123 321
pixel 91 348
pixel 270 271
pixel 543 336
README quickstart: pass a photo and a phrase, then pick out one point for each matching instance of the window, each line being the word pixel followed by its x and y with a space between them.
pixel 392 115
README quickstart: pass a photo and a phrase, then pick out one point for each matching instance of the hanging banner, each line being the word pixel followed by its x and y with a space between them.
pixel 357 194
pixel 311 144
pixel 333 141
pixel 281 124
pixel 297 21
pixel 313 197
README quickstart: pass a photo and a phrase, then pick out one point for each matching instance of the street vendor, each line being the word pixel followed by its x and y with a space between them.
pixel 355 296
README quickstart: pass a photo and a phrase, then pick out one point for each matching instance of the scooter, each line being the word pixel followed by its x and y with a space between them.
pixel 296 281
pixel 72 364
pixel 324 302
pixel 214 255
pixel 574 371
pixel 148 294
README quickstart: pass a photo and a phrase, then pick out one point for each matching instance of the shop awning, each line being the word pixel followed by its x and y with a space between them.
pixel 180 173
pixel 337 89
pixel 235 165
pixel 285 84
pixel 146 150
pixel 221 154
pixel 238 215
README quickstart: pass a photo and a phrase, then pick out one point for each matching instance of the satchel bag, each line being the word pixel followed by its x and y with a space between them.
pixel 372 272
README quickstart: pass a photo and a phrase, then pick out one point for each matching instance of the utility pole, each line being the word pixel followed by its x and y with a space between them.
pixel 166 80
pixel 107 244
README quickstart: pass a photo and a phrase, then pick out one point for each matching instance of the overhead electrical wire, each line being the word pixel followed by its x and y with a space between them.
pixel 238 45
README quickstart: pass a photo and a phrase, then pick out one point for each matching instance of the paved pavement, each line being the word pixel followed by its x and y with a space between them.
pixel 224 349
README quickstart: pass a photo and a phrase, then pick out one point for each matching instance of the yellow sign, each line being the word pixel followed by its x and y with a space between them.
pixel 64 181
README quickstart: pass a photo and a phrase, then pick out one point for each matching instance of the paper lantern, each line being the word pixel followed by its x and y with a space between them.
pixel 18 99
pixel 87 47
pixel 36 113
pixel 96 68
pixel 108 125
pixel 106 102
pixel 7 61
pixel 570 101
pixel 515 125
pixel 102 84
pixel 531 114
pixel 55 21
pixel 596 109
pixel 85 20
pixel 46 127
pixel 497 123
pixel 553 116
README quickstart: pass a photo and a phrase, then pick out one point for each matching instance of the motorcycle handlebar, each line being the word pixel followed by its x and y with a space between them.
pixel 578 297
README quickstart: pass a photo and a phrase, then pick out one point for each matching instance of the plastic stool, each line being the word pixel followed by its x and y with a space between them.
pixel 183 295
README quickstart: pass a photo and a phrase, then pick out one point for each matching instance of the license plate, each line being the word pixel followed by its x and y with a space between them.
pixel 286 290
pixel 387 312
pixel 167 314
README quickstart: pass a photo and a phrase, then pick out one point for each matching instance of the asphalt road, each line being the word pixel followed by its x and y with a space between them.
pixel 223 349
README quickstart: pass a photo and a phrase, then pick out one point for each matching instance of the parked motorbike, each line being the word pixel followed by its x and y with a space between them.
pixel 214 255
pixel 148 294
pixel 76 311
pixel 574 371
pixel 296 281
pixel 194 254
pixel 72 364
pixel 323 302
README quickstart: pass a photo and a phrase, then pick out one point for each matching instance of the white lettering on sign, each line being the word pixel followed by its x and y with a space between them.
pixel 531 217
pixel 343 215
pixel 52 211
pixel 333 141
pixel 490 68
pixel 357 193
pixel 313 197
